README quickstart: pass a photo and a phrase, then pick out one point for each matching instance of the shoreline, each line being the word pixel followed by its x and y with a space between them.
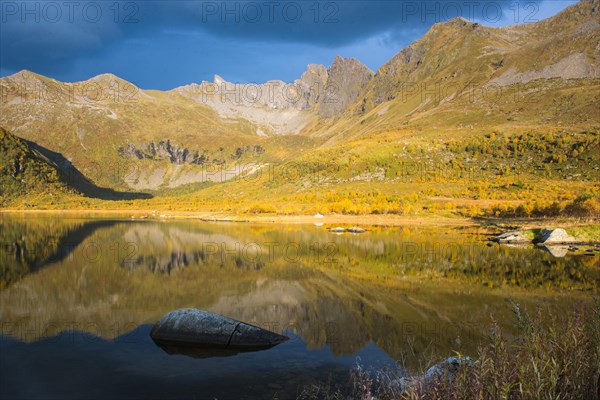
pixel 332 219
pixel 215 216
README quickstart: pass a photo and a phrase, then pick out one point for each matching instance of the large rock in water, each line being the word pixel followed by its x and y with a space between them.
pixel 557 236
pixel 205 334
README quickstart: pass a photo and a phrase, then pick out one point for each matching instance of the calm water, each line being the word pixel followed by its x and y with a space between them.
pixel 78 298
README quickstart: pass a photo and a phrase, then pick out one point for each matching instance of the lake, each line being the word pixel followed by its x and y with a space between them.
pixel 79 295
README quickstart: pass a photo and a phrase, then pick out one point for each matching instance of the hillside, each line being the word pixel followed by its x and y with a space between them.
pixel 465 117
pixel 26 171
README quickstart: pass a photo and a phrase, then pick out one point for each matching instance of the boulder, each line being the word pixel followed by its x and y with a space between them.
pixel 356 229
pixel 510 237
pixel 191 327
pixel 445 371
pixel 557 236
pixel 337 230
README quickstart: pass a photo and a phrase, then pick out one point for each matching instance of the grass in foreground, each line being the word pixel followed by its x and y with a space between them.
pixel 553 357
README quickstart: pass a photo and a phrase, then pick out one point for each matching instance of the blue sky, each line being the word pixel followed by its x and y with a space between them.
pixel 165 44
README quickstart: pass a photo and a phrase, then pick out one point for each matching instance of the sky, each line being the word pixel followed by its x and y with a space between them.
pixel 165 44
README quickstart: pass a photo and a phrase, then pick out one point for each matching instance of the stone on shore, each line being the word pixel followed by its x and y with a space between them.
pixel 510 237
pixel 556 236
pixel 445 371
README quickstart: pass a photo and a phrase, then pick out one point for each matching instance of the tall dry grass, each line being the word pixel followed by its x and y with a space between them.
pixel 553 357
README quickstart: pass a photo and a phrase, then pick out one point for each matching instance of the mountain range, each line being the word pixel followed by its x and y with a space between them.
pixel 457 85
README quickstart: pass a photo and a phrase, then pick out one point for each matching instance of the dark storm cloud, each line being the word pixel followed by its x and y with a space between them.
pixel 53 36
pixel 327 23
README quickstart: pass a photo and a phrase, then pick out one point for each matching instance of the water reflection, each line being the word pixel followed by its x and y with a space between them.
pixel 203 352
pixel 396 293
pixel 75 365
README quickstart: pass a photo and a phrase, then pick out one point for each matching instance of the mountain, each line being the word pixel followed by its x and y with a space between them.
pixel 461 86
pixel 465 74
pixel 105 124
pixel 285 108
pixel 91 122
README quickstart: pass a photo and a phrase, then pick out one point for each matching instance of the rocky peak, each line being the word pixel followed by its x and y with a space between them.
pixel 26 78
pixel 345 79
pixel 315 73
pixel 108 81
pixel 317 69
pixel 458 21
pixel 330 89
pixel 350 66
pixel 217 80
pixel 22 74
pixel 311 85
pixel 105 76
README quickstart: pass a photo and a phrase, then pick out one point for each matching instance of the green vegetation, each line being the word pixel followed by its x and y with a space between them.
pixel 25 174
pixel 493 175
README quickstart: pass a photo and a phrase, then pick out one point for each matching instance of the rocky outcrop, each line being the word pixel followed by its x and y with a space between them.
pixel 574 66
pixel 345 81
pixel 211 334
pixel 165 150
pixel 312 84
pixel 254 150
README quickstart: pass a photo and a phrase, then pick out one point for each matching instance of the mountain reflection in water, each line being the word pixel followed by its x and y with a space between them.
pixel 77 305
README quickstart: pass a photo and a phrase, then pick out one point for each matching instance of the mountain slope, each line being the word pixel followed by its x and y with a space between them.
pixel 463 74
pixel 89 122
pixel 25 172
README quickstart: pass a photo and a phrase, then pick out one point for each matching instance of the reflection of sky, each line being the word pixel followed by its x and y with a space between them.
pixel 163 44
pixel 75 365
